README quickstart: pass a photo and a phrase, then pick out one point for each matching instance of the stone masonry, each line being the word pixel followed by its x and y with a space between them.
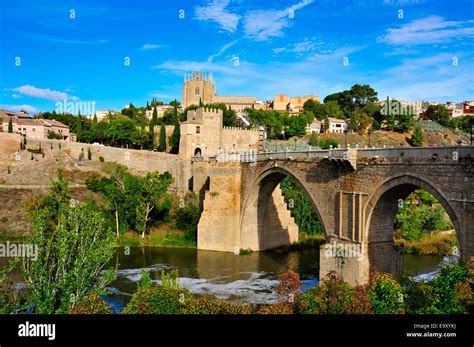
pixel 356 194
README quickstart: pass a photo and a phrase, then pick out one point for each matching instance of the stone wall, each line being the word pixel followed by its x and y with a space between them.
pixel 138 161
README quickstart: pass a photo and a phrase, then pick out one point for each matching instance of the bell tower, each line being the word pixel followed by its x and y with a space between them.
pixel 198 87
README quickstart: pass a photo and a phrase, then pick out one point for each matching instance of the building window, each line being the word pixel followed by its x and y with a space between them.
pixel 198 129
pixel 338 125
pixel 197 92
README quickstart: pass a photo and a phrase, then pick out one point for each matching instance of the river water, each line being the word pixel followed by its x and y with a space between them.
pixel 250 278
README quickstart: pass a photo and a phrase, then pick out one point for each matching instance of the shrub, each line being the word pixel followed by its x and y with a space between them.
pixel 386 295
pixel 326 143
pixel 101 159
pixel 278 308
pixel 289 283
pixel 448 284
pixel 420 297
pixel 91 304
pixel 359 302
pixel 89 154
pixel 211 305
pixel 314 139
pixel 330 297
pixel 157 300
pixel 145 279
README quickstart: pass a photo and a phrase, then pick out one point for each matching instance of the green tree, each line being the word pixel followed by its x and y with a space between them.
pixel 162 144
pixel 175 137
pixel 122 131
pixel 360 121
pixel 405 123
pixel 438 113
pixel 417 138
pixel 72 251
pixel 89 153
pixel 154 119
pixel 362 94
pixel 79 127
pixel 10 125
pixel 151 133
pixel 153 191
pixel 343 99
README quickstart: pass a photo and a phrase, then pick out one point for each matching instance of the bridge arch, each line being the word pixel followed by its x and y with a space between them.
pixel 256 233
pixel 381 210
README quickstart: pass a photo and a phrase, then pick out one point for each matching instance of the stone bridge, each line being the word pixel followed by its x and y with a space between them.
pixel 355 192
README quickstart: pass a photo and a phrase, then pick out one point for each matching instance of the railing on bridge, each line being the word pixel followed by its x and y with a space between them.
pixel 347 154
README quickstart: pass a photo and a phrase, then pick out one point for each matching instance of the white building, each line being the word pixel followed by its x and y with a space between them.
pixel 336 125
pixel 160 110
pixel 316 126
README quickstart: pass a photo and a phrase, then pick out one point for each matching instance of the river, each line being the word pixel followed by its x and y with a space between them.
pixel 250 278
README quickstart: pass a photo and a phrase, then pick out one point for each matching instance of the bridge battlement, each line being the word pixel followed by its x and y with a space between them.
pixel 450 153
pixel 356 193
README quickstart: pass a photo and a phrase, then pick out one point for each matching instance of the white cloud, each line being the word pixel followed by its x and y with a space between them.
pixel 150 46
pixel 264 24
pixel 429 30
pixel 46 93
pixel 16 96
pixel 307 45
pixel 16 108
pixel 221 50
pixel 215 11
pixel 402 2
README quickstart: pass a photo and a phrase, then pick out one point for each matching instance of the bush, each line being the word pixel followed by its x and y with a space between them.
pixel 278 308
pixel 187 216
pixel 314 139
pixel 326 143
pixel 91 304
pixel 157 300
pixel 101 159
pixel 386 295
pixel 449 285
pixel 211 305
pixel 420 297
pixel 330 297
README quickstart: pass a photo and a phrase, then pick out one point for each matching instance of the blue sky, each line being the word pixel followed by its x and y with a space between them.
pixel 408 49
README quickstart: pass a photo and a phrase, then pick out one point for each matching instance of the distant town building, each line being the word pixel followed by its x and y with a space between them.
pixel 38 129
pixel 203 134
pixel 293 105
pixel 160 111
pixel 102 114
pixel 336 125
pixel 468 108
pixel 199 88
pixel 316 126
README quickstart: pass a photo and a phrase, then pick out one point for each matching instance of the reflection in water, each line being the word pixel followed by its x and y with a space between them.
pixel 251 278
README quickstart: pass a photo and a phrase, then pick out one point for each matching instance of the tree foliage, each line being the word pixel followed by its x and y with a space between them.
pixel 74 245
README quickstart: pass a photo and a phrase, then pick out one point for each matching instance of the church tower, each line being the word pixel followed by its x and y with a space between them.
pixel 198 87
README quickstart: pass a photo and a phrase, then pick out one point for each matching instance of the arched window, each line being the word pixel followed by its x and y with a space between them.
pixel 197 91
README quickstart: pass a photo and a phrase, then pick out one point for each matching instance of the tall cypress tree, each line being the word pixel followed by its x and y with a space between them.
pixel 79 127
pixel 174 140
pixel 154 119
pixel 162 145
pixel 151 134
pixel 10 125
